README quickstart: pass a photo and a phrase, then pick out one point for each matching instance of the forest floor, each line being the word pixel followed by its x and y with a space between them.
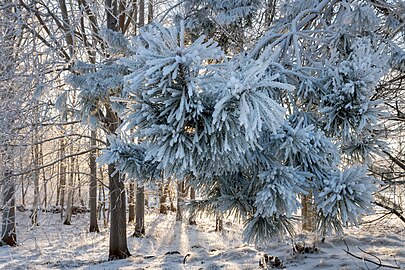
pixel 167 242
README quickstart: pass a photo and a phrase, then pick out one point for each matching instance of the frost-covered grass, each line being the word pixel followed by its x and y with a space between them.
pixel 167 242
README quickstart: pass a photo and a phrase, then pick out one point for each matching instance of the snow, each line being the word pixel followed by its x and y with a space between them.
pixel 166 243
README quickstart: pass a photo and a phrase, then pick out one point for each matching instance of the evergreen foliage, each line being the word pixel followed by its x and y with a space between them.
pixel 344 197
pixel 255 130
pixel 222 12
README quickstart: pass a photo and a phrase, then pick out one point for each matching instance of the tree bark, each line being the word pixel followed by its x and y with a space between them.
pixel 102 200
pixel 141 13
pixel 68 218
pixel 131 202
pixel 93 185
pixel 191 219
pixel 164 189
pixel 118 230
pixel 140 212
pixel 140 191
pixel 41 159
pixel 62 172
pixel 308 213
pixel 8 235
pixel 21 164
pixel 112 12
pixel 219 225
pixel 150 11
pixel 58 184
pixel 35 157
pixel 180 200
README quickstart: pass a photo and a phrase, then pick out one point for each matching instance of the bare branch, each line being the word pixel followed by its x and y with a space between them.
pixel 379 263
pixel 52 163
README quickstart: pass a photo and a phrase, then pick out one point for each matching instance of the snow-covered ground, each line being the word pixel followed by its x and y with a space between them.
pixel 167 242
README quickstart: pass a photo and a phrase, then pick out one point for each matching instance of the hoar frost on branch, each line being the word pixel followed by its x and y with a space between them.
pixel 344 197
pixel 221 122
pixel 129 158
pixel 191 104
pixel 348 109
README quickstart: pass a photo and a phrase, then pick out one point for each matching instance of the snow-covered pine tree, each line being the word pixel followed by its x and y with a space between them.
pixel 335 63
pixel 209 117
pixel 202 115
pixel 334 55
pixel 220 121
pixel 232 23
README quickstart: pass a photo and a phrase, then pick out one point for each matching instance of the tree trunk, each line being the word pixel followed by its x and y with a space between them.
pixel 150 11
pixel 180 200
pixel 35 157
pixel 218 223
pixel 191 219
pixel 140 191
pixel 62 172
pixel 140 212
pixel 93 185
pixel 112 14
pixel 58 184
pixel 79 183
pixel 308 213
pixel 131 202
pixel 118 226
pixel 68 218
pixel 118 229
pixel 102 200
pixel 164 189
pixel 141 13
pixel 171 198
pixel 8 234
pixel 41 159
pixel 22 181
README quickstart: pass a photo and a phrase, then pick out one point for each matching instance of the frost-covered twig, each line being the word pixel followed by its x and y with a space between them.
pixel 392 210
pixel 379 263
